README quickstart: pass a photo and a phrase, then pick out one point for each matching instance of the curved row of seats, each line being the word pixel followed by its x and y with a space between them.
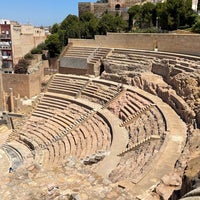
pixel 146 123
pixel 97 91
pixel 60 127
pixel 146 58
pixel 70 85
pixel 134 164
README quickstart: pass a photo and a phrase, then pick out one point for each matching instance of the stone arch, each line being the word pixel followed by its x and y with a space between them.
pixel 117 7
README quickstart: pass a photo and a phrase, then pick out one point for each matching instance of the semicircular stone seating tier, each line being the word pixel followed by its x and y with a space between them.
pixel 146 127
pixel 60 127
pixel 81 116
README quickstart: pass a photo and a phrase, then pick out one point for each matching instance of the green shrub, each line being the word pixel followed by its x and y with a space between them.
pixel 36 51
pixel 196 27
pixel 28 56
pixel 22 66
pixel 39 48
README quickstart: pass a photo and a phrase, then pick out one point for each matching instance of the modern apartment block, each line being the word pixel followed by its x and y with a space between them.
pixel 6 44
pixel 16 40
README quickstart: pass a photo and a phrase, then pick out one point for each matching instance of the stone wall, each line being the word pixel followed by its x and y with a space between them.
pixel 100 9
pixel 85 7
pixel 1 92
pixel 24 84
pixel 176 43
pixel 77 71
pixel 71 62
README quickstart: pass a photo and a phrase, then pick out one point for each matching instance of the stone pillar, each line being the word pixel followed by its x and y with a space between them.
pixel 4 105
pixel 1 91
pixel 11 100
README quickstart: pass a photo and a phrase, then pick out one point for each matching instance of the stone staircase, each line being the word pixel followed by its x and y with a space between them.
pixel 139 144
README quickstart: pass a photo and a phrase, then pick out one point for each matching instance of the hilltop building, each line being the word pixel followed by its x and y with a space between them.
pixel 111 6
pixel 116 6
pixel 16 40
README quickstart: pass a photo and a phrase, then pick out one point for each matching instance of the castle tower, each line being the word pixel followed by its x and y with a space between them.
pixel 117 4
pixel 122 5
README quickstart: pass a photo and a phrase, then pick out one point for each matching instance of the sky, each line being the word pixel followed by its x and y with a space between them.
pixel 39 12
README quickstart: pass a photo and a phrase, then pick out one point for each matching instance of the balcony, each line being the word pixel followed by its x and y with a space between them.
pixel 5 36
pixel 5 47
pixel 7 64
pixel 7 57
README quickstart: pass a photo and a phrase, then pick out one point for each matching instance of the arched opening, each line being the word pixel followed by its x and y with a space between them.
pixel 101 69
pixel 117 7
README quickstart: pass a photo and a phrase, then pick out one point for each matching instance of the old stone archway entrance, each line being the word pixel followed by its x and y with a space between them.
pixel 117 7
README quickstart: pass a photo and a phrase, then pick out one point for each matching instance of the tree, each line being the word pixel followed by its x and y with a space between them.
pixel 120 24
pixel 106 24
pixel 148 15
pixel 189 16
pixel 110 23
pixel 134 16
pixel 162 15
pixel 54 45
pixel 22 66
pixel 72 26
pixel 88 24
pixel 180 13
pixel 196 26
pixel 62 35
pixel 54 28
pixel 28 56
pixel 39 48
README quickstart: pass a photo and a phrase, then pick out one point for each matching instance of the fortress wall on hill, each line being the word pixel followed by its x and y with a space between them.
pixel 177 43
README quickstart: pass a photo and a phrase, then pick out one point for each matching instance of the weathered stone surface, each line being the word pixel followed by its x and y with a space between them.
pixel 170 80
pixel 59 183
pixel 172 180
pixel 164 191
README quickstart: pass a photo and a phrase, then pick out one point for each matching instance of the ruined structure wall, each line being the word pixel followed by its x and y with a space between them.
pixel 1 93
pixel 96 8
pixel 19 83
pixel 177 43
pixel 100 8
pixel 85 7
pixel 24 84
pixel 35 80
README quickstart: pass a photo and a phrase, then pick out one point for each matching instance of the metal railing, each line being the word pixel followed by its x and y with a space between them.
pixel 5 36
